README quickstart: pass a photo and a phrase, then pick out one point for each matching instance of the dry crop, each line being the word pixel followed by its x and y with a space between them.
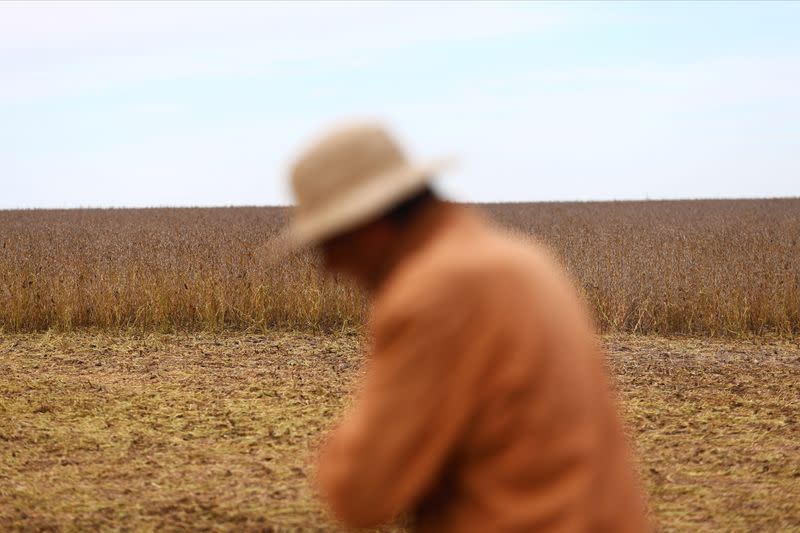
pixel 708 267
pixel 162 270
pixel 700 267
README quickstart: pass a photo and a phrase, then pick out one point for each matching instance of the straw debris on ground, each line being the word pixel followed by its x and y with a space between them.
pixel 217 432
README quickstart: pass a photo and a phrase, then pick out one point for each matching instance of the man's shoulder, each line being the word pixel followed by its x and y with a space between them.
pixel 462 269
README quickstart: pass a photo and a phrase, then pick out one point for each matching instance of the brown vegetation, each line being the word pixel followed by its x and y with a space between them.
pixel 216 432
pixel 698 267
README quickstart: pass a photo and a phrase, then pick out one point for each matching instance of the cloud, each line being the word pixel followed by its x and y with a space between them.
pixel 119 24
pixel 52 48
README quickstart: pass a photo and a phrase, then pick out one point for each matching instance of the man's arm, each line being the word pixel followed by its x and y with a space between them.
pixel 414 405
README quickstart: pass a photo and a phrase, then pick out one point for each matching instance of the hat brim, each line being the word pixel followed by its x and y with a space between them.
pixel 357 207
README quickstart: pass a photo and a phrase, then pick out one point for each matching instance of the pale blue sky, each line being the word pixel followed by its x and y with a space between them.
pixel 141 104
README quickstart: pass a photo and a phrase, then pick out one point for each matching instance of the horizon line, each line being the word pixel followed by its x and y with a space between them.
pixel 465 202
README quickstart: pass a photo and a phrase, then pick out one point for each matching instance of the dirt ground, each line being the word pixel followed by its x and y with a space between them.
pixel 178 432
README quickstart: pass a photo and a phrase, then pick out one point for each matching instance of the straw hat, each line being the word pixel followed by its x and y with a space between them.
pixel 350 176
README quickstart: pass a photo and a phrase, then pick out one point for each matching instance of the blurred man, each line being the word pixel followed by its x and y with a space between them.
pixel 485 404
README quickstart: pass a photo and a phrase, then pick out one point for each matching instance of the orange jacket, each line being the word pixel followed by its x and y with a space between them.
pixel 485 404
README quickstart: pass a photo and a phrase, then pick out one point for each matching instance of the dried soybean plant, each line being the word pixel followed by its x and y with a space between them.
pixel 698 267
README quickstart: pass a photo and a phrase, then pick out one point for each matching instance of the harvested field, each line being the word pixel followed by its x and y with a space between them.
pixel 719 268
pixel 215 432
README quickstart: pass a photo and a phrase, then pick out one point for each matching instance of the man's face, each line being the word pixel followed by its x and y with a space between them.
pixel 359 253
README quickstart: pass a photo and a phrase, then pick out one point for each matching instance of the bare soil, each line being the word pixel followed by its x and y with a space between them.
pixel 216 432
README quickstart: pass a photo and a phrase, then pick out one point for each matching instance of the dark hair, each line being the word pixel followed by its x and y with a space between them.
pixel 406 210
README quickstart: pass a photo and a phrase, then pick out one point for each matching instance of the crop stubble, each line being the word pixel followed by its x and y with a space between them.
pixel 217 432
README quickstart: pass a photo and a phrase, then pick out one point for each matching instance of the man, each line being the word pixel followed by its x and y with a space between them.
pixel 485 404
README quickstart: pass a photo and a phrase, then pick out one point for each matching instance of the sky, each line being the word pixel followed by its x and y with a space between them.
pixel 205 104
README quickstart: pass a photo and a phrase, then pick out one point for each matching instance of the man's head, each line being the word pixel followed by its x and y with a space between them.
pixel 363 253
pixel 356 192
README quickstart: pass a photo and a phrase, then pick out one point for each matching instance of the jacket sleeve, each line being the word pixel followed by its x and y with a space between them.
pixel 414 404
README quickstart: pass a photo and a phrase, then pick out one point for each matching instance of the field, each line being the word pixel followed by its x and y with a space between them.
pixel 215 432
pixel 156 372
pixel 720 268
